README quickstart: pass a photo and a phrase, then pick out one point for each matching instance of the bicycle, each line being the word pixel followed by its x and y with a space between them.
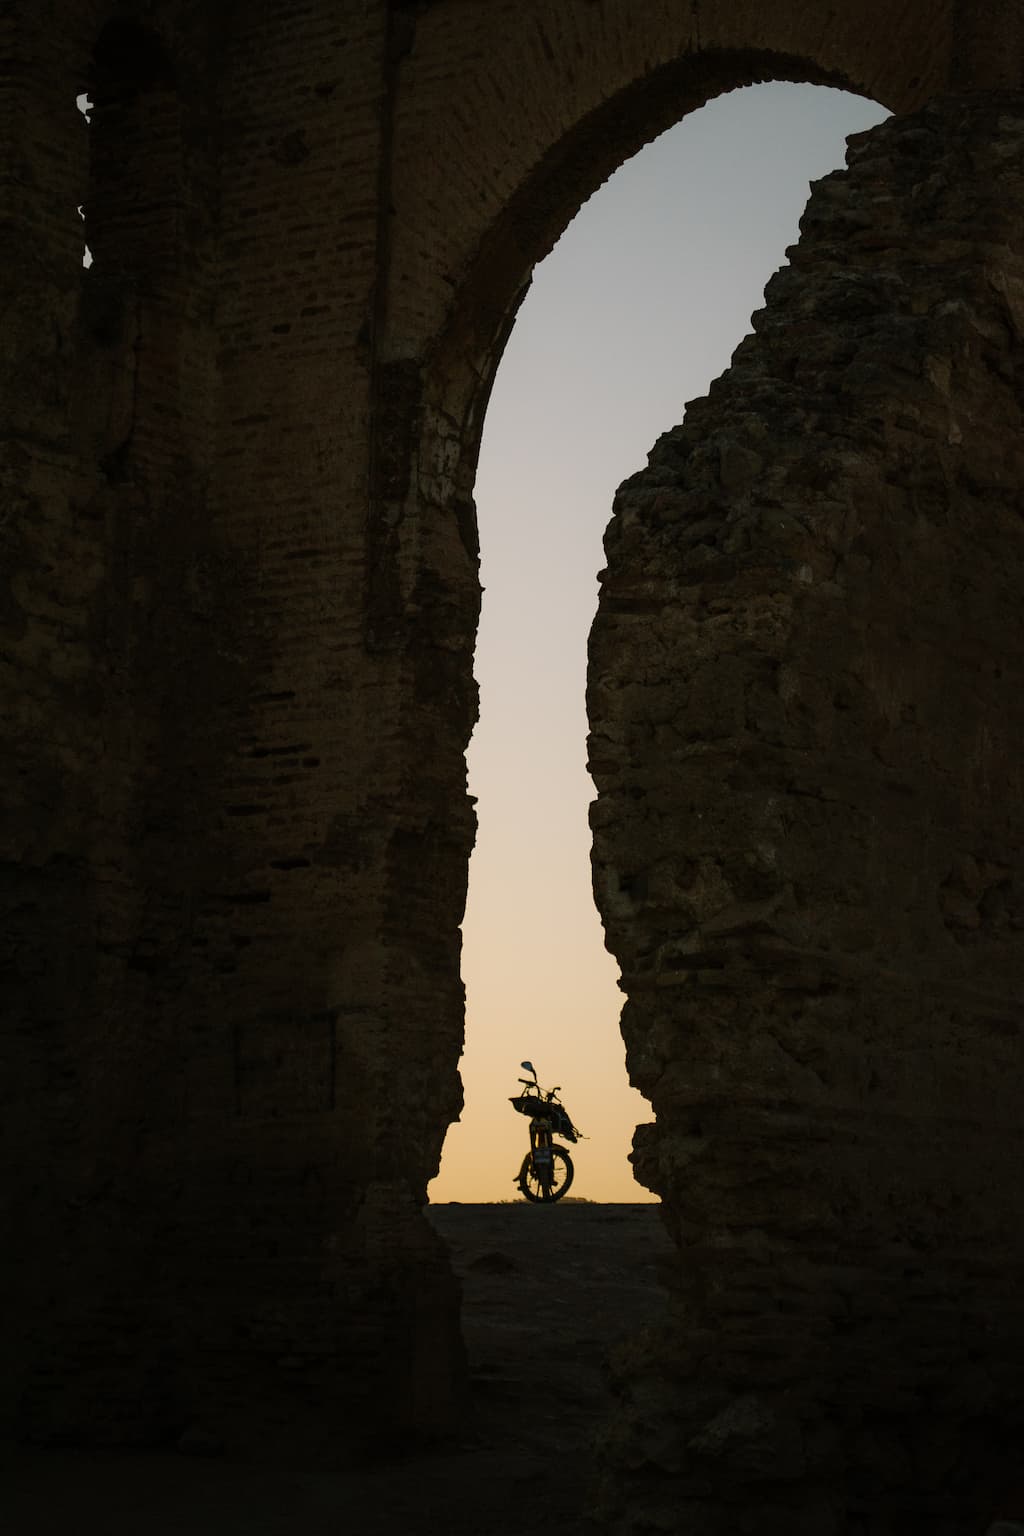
pixel 546 1172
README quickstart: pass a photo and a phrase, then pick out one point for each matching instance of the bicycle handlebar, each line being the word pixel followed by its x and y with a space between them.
pixel 547 1097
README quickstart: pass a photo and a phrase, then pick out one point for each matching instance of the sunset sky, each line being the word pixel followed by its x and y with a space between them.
pixel 637 309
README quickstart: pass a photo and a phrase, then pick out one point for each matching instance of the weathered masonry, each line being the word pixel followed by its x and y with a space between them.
pixel 236 630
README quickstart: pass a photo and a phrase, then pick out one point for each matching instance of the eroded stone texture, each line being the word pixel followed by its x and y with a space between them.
pixel 232 887
pixel 807 701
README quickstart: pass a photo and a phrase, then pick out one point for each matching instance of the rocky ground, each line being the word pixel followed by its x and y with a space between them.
pixel 547 1290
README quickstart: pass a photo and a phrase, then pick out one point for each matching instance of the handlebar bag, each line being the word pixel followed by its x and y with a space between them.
pixel 528 1104
pixel 539 1109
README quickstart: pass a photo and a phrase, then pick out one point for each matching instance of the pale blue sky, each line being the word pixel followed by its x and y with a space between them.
pixel 637 309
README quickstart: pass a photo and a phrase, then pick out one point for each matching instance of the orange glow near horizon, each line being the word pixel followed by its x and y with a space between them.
pixel 637 309
pixel 537 971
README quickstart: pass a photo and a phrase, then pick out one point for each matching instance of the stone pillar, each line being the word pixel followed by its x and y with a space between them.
pixel 806 711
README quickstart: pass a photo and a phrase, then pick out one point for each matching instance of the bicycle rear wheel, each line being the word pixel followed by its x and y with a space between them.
pixel 537 1187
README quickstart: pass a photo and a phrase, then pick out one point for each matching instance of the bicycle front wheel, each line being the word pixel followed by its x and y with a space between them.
pixel 540 1184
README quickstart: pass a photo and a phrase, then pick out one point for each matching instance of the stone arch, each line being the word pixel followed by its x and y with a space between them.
pixel 428 411
pixel 433 408
pixel 465 356
pixel 556 432
pixel 586 88
pixel 600 83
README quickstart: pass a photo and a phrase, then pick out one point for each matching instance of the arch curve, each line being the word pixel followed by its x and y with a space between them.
pixel 463 361
pixel 500 127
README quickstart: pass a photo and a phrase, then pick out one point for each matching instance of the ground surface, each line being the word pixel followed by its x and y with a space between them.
pixel 546 1291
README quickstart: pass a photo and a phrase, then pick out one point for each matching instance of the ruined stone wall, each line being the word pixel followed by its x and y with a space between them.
pixel 240 549
pixel 105 385
pixel 216 1089
pixel 806 713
